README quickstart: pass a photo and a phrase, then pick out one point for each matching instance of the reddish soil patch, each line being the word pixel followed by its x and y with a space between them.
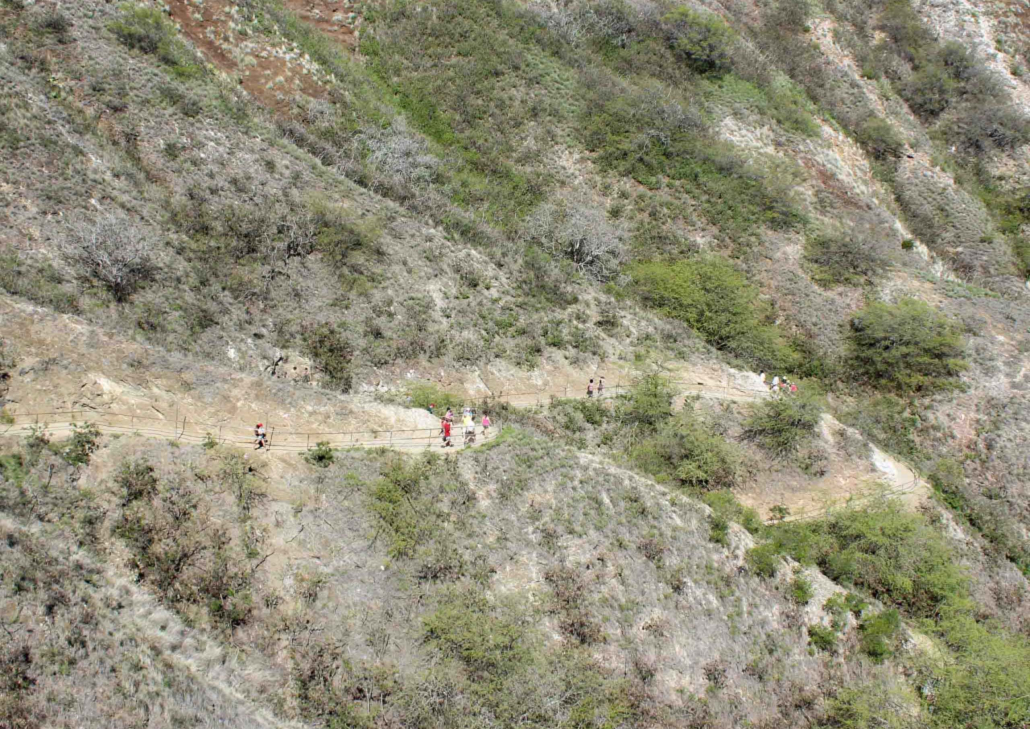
pixel 334 18
pixel 831 186
pixel 269 70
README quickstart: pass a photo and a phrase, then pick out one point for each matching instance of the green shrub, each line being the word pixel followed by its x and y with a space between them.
pixel 907 347
pixel 686 450
pixel 331 353
pixel 146 30
pixel 649 403
pixel 725 504
pixel 889 421
pixel 6 357
pixel 839 605
pixel 822 637
pixel 842 258
pixel 878 633
pixel 764 560
pixel 801 591
pixel 782 425
pixel 880 138
pixel 648 141
pixel 929 91
pixel 466 627
pixel 56 22
pixel 347 245
pixel 712 297
pixel 395 500
pixel 884 704
pixel 424 394
pixel 321 455
pixel 719 529
pixel 700 39
pixel 39 283
pixel 987 684
pixel 84 443
pixel 895 555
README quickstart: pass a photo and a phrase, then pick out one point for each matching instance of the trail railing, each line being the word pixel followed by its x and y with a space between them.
pixel 278 438
pixel 181 427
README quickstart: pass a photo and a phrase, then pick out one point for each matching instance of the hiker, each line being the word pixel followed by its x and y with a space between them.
pixel 449 415
pixel 600 386
pixel 259 436
pixel 590 388
pixel 776 383
pixel 763 378
pixel 468 428
pixel 486 424
pixel 445 430
pixel 793 388
pixel 431 408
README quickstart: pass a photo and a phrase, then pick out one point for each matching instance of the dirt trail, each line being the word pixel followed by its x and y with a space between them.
pixel 845 482
pixel 72 372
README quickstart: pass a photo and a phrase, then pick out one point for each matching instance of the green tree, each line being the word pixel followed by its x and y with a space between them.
pixel 649 403
pixel 907 346
pixel 702 40
pixel 782 425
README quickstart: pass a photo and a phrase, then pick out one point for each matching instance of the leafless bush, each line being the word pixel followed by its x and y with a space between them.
pixel 112 252
pixel 751 63
pixel 575 227
pixel 399 157
pixel 320 113
pixel 659 108
pixel 576 21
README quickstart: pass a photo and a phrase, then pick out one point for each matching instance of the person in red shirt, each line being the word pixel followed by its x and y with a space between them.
pixel 445 428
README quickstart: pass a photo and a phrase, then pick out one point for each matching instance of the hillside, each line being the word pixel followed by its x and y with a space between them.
pixel 327 216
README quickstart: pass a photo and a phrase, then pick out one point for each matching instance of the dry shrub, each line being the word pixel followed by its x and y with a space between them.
pixel 110 251
pixel 399 158
pixel 952 222
pixel 570 594
pixel 575 227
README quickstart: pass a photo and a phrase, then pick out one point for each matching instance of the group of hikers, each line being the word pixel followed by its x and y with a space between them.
pixel 468 425
pixel 780 385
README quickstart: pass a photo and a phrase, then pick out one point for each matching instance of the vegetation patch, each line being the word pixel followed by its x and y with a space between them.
pixel 147 30
pixel 712 297
pixel 782 425
pixel 908 347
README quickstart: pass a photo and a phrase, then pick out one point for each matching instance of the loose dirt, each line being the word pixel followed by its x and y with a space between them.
pixel 271 70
